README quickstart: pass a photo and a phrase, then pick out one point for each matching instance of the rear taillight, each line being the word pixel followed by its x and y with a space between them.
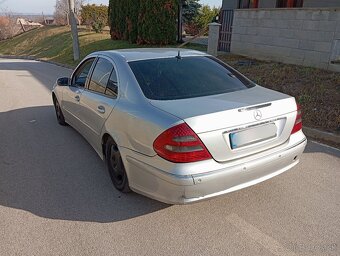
pixel 298 121
pixel 180 144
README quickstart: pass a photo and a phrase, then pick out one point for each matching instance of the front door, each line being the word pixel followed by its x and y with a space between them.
pixel 73 93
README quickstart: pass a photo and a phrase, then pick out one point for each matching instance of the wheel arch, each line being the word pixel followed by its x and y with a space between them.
pixel 105 138
pixel 54 97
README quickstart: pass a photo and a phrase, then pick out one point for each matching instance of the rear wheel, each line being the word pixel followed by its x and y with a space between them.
pixel 59 113
pixel 116 167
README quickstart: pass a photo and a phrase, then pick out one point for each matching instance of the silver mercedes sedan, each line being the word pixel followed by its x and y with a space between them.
pixel 178 125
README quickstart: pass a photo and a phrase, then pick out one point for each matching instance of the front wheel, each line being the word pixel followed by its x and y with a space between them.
pixel 116 167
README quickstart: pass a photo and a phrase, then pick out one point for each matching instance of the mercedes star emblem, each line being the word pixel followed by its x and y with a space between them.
pixel 257 115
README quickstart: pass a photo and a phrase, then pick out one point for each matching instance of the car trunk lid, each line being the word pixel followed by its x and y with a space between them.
pixel 237 124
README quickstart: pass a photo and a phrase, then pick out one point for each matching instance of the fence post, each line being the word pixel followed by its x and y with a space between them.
pixel 214 34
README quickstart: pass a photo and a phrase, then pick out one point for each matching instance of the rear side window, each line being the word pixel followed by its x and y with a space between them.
pixel 112 85
pixel 188 77
pixel 100 75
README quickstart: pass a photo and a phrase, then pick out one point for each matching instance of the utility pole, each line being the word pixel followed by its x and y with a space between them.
pixel 44 18
pixel 180 22
pixel 74 30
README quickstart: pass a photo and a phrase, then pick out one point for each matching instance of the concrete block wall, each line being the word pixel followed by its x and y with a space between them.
pixel 295 36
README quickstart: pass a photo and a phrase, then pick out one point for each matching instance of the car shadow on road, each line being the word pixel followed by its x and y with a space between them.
pixel 51 171
pixel 314 147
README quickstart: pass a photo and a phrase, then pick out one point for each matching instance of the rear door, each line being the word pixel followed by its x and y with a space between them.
pixel 98 99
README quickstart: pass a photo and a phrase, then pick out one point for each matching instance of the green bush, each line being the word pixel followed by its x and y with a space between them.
pixel 98 26
pixel 205 16
pixel 143 21
pixel 95 16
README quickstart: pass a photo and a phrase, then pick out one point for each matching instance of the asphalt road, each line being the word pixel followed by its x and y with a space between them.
pixel 56 197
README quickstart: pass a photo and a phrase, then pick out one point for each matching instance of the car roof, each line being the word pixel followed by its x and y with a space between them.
pixel 151 53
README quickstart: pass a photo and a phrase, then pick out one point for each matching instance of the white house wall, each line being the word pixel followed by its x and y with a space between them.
pixel 321 3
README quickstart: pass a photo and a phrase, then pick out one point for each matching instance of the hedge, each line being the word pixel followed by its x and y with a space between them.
pixel 95 16
pixel 132 13
pixel 143 21
pixel 116 19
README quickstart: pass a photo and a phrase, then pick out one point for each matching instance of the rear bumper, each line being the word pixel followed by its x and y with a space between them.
pixel 182 189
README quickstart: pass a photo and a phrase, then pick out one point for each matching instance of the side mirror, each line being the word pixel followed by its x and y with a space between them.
pixel 63 81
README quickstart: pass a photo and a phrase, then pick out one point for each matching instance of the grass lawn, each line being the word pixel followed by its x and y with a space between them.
pixel 55 44
pixel 318 91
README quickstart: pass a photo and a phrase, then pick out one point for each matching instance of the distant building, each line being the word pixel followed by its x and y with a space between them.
pixel 24 22
pixel 49 21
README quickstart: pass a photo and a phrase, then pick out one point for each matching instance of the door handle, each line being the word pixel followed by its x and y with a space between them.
pixel 77 98
pixel 101 109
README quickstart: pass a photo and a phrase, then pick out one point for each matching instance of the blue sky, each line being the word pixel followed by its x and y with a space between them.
pixel 47 6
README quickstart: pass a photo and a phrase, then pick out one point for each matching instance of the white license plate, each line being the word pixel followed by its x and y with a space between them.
pixel 252 135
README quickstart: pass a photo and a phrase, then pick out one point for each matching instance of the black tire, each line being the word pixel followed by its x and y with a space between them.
pixel 116 167
pixel 59 113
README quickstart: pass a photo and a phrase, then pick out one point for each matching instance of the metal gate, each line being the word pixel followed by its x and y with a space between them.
pixel 226 18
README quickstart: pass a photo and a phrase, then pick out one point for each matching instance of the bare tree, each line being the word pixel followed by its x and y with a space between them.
pixel 8 25
pixel 61 14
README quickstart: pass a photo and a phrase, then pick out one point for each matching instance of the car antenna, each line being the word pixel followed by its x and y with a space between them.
pixel 179 57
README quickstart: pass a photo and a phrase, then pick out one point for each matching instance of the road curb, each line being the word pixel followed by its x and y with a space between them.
pixel 317 134
pixel 37 59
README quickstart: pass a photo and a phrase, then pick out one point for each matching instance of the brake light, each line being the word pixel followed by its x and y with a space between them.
pixel 298 121
pixel 180 144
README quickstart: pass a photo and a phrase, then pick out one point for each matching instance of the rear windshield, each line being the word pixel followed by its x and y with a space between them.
pixel 187 77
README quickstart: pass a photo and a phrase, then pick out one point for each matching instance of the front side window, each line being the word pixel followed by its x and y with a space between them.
pixel 100 75
pixel 82 73
pixel 188 77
